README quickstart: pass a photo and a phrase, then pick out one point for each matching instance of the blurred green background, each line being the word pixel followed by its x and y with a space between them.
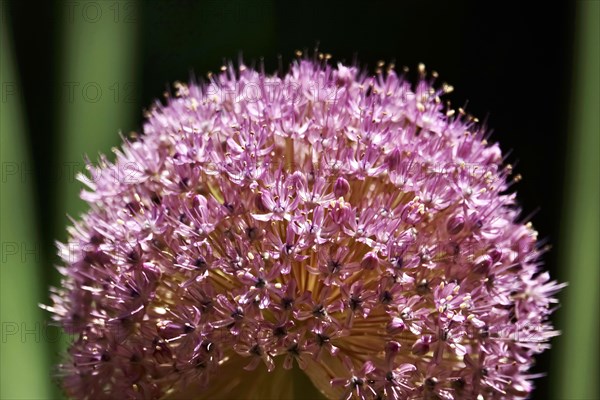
pixel 75 73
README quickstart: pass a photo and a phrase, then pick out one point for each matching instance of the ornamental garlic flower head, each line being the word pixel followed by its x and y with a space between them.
pixel 347 226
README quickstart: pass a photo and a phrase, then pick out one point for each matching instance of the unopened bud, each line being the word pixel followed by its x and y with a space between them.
pixel 341 187
pixel 369 261
pixel 455 224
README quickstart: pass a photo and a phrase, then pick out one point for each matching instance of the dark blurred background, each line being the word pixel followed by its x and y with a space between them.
pixel 511 63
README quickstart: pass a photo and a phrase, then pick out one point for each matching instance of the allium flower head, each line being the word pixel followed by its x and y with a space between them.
pixel 351 227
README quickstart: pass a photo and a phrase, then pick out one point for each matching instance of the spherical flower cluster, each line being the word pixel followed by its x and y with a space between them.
pixel 351 227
